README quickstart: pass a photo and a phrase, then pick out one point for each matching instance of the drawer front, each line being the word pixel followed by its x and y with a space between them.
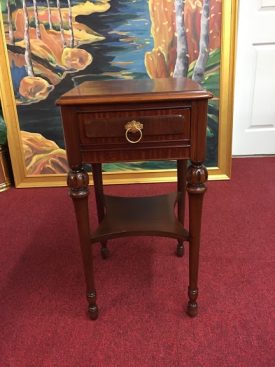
pixel 116 128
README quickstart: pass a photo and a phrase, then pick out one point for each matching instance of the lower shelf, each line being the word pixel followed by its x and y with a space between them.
pixel 144 216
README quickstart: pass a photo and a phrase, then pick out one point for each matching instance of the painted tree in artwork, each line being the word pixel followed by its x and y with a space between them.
pixel 182 61
pixel 71 24
pixel 199 69
pixel 61 23
pixel 27 40
pixel 32 88
pixel 49 15
pixel 10 23
pixel 36 19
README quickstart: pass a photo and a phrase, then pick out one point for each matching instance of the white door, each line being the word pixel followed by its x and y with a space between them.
pixel 254 100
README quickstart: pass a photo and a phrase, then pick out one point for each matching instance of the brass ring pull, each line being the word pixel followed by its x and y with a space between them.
pixel 133 127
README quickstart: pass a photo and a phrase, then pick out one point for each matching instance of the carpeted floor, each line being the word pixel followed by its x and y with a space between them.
pixel 142 288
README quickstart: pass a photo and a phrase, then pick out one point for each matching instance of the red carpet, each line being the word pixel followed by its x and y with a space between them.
pixel 142 288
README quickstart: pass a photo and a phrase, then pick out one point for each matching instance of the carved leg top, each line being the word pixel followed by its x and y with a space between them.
pixel 78 181
pixel 197 175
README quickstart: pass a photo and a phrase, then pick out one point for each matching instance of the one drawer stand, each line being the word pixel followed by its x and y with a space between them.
pixel 129 121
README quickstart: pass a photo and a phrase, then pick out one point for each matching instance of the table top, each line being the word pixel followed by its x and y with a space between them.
pixel 137 90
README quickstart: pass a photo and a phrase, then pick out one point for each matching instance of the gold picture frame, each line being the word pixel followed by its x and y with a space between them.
pixel 221 171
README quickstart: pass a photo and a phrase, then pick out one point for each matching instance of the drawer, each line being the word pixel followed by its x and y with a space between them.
pixel 136 128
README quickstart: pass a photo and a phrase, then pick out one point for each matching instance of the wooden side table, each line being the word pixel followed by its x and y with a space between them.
pixel 137 120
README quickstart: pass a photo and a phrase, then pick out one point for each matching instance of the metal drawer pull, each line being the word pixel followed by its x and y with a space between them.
pixel 133 127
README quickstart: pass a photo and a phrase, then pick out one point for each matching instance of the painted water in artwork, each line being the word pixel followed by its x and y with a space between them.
pixel 55 45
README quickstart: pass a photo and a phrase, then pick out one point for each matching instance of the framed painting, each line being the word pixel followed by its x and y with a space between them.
pixel 49 46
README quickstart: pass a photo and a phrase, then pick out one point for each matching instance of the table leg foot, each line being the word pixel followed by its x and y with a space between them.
pixel 180 249
pixel 93 312
pixel 105 253
pixel 192 308
pixel 92 308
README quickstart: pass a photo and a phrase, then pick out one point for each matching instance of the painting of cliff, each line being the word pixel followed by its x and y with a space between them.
pixel 54 45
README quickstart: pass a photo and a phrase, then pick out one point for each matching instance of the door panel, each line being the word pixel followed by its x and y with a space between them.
pixel 263 103
pixel 254 105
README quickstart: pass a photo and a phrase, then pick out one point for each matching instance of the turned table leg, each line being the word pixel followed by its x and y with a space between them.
pixel 99 197
pixel 181 179
pixel 78 181
pixel 196 178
